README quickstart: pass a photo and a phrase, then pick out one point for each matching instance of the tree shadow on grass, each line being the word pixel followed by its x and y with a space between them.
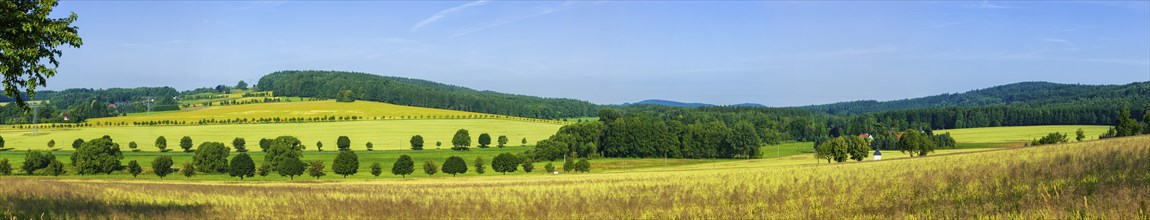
pixel 27 207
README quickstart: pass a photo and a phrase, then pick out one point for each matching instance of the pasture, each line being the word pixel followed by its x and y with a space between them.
pixel 1093 179
pixel 1016 136
pixel 307 109
pixel 384 134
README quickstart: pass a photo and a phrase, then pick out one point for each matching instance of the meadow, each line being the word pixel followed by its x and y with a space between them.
pixel 1093 179
pixel 365 109
pixel 384 134
pixel 1016 136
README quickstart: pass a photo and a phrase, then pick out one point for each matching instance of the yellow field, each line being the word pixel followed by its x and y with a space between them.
pixel 1095 179
pixel 384 134
pixel 1020 134
pixel 365 109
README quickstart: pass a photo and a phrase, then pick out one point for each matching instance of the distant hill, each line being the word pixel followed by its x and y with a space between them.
pixel 1023 94
pixel 420 93
pixel 683 104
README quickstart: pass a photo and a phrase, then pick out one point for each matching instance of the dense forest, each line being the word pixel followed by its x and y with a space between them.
pixel 422 93
pixel 1024 94
pixel 79 104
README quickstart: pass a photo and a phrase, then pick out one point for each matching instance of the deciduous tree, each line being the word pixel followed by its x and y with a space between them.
pixel 34 160
pixel 211 157
pixel 162 143
pixel 376 169
pixel 134 168
pixel 188 170
pixel 430 168
pixel 346 163
pixel 29 47
pixel 583 165
pixel 162 166
pixel 242 166
pixel 549 167
pixel 186 143
pixel 343 143
pixel 55 167
pixel 484 140
pixel 403 166
pixel 97 156
pixel 76 143
pixel 528 165
pixel 461 140
pixel 454 165
pixel 480 165
pixel 503 141
pixel 291 167
pixel 316 169
pixel 1079 135
pixel 416 142
pixel 240 144
pixel 504 163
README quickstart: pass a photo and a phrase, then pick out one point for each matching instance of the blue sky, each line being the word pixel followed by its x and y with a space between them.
pixel 776 53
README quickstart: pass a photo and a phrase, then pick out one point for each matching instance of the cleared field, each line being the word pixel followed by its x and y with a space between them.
pixel 998 136
pixel 1095 179
pixel 384 134
pixel 365 109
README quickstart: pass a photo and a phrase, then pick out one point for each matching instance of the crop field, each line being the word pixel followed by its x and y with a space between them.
pixel 365 109
pixel 1093 179
pixel 384 134
pixel 1016 136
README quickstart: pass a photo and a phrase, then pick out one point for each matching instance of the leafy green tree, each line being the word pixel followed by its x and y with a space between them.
pixel 34 160
pixel 189 170
pixel 403 166
pixel 5 167
pixel 1 141
pixel 528 165
pixel 504 163
pixel 343 143
pixel 76 143
pixel 186 143
pixel 30 40
pixel 1126 126
pixel 369 146
pixel 240 144
pixel 1146 119
pixel 162 144
pixel 132 145
pixel 484 140
pixel 454 165
pixel 241 86
pixel 1079 135
pixel 461 140
pixel 479 165
pixel 316 169
pixel 417 142
pixel 825 150
pixel 1052 138
pixel 583 165
pixel 55 167
pixel 283 148
pixel 524 142
pixel 549 167
pixel 211 157
pixel 134 168
pixel 376 169
pixel 744 141
pixel 291 167
pixel 857 148
pixel 265 144
pixel 319 146
pixel 345 96
pixel 346 163
pixel 568 165
pixel 910 142
pixel 430 168
pixel 162 166
pixel 97 156
pixel 242 166
pixel 438 144
pixel 502 141
pixel 51 143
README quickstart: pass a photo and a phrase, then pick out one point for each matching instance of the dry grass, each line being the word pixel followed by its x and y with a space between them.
pixel 1096 179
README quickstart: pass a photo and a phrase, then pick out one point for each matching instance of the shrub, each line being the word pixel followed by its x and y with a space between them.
pixel 583 165
pixel 5 167
pixel 55 167
pixel 528 165
pixel 549 167
pixel 376 169
pixel 188 170
pixel 134 168
pixel 429 168
pixel 316 169
pixel 568 166
pixel 479 165
pixel 264 169
pixel 34 160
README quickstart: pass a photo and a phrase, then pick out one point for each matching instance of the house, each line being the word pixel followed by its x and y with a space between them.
pixel 866 136
pixel 877 155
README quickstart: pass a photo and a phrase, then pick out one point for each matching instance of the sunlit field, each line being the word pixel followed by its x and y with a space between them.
pixel 1094 179
pixel 1016 136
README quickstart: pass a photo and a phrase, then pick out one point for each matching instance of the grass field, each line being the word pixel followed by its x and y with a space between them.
pixel 1094 179
pixel 384 134
pixel 1016 136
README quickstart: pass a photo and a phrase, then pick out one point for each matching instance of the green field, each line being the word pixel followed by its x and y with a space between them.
pixel 365 109
pixel 384 134
pixel 1016 136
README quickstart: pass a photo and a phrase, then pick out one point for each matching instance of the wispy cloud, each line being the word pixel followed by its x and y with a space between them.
pixel 441 14
pixel 986 4
pixel 540 12
pixel 1068 45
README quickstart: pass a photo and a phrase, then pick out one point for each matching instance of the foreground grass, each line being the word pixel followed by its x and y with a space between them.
pixel 384 134
pixel 1096 179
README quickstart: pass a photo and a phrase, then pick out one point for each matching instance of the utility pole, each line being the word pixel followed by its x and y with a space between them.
pixel 35 116
pixel 148 101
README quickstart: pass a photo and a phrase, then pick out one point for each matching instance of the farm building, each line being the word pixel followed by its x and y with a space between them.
pixel 877 155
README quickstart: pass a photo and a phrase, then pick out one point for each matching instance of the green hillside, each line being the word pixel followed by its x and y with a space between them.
pixel 1029 94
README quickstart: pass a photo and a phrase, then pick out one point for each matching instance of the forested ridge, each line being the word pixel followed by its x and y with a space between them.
pixel 1023 94
pixel 422 93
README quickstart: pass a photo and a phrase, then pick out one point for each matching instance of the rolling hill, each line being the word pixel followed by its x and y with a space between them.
pixel 1023 94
